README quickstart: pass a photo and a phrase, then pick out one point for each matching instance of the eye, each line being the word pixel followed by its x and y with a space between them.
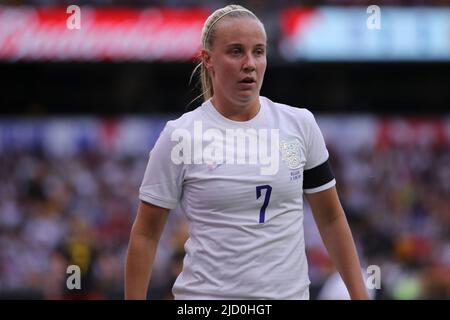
pixel 235 51
pixel 259 52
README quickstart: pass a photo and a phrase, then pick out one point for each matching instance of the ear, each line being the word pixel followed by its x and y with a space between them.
pixel 206 58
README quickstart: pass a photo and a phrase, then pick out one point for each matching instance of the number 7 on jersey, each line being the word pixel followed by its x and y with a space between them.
pixel 262 212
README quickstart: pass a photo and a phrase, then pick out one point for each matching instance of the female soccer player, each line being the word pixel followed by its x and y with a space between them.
pixel 238 165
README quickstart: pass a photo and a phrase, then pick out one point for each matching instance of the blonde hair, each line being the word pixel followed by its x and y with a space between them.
pixel 208 37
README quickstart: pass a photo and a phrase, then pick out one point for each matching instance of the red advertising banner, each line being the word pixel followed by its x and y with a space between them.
pixel 28 33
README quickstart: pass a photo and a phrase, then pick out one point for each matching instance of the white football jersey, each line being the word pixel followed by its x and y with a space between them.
pixel 245 210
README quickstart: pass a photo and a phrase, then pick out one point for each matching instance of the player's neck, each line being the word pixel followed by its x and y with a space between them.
pixel 235 112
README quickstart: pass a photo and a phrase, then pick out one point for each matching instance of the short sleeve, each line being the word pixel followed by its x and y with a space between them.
pixel 317 173
pixel 317 152
pixel 163 179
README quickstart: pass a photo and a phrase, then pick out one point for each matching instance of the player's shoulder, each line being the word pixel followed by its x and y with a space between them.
pixel 286 111
pixel 185 121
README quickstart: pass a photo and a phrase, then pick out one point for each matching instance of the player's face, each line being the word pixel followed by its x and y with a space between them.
pixel 237 61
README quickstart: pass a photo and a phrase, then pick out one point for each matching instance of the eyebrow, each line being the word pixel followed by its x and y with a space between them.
pixel 240 45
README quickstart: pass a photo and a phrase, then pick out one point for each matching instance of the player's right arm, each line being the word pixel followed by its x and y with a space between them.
pixel 145 234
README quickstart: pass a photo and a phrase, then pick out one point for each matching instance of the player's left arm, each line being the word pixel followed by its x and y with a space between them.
pixel 336 235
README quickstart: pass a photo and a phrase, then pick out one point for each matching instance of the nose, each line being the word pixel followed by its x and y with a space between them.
pixel 249 63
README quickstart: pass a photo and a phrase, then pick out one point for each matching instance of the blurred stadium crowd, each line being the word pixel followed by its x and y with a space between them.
pixel 61 211
pixel 77 208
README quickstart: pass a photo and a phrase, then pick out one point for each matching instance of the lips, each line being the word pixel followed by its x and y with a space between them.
pixel 248 80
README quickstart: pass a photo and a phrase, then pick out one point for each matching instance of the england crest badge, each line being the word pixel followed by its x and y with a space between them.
pixel 290 153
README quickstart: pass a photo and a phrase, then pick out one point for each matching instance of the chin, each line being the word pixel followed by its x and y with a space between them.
pixel 246 97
